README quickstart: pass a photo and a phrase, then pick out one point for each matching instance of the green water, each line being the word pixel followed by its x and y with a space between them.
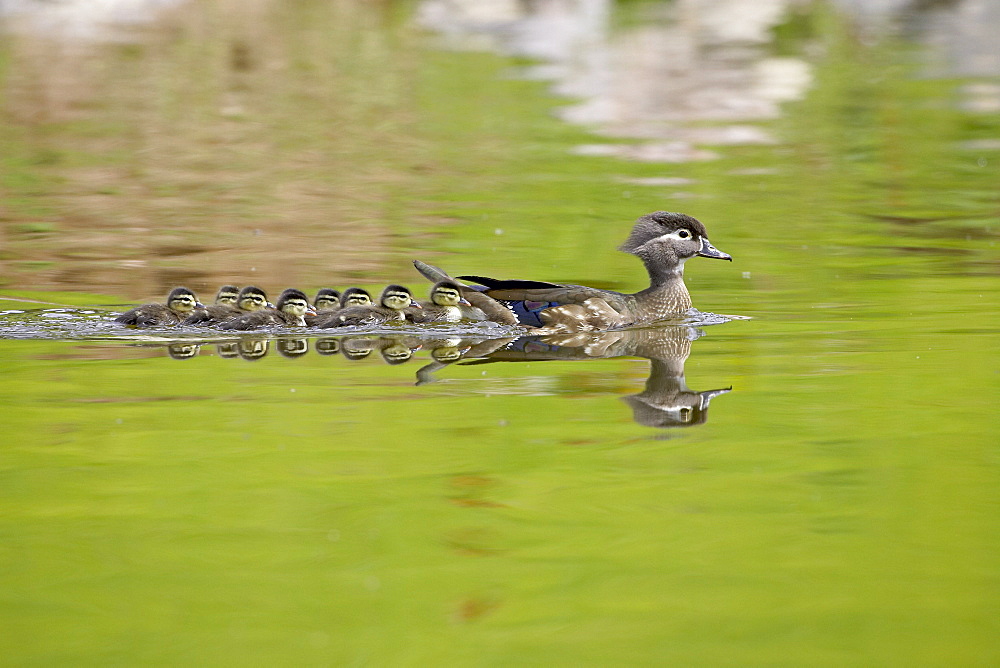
pixel 839 506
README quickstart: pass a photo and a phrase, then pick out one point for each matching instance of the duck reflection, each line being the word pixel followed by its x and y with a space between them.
pixel 228 350
pixel 328 346
pixel 183 351
pixel 296 347
pixel 666 400
pixel 358 347
pixel 398 349
pixel 252 348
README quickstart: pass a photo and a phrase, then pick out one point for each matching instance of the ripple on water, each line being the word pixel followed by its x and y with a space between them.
pixel 90 324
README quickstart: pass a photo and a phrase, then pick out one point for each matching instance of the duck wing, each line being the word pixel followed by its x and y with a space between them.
pixel 527 299
pixel 492 309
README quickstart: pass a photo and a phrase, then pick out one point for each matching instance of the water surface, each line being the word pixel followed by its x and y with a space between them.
pixel 179 497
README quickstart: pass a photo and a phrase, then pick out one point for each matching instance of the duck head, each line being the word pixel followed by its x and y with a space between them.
pixel 252 298
pixel 397 298
pixel 294 302
pixel 182 300
pixel 447 293
pixel 664 241
pixel 355 297
pixel 327 299
pixel 227 294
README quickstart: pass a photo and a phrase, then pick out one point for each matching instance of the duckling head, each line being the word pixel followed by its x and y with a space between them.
pixel 447 293
pixel 294 302
pixel 252 298
pixel 227 294
pixel 327 299
pixel 664 241
pixel 355 297
pixel 182 300
pixel 396 297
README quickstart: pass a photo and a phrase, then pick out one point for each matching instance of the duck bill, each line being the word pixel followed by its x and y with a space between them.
pixel 708 250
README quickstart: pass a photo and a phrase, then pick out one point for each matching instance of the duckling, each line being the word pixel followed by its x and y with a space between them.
pixel 292 306
pixel 394 299
pixel 227 294
pixel 355 297
pixel 248 300
pixel 482 307
pixel 327 301
pixel 180 303
pixel 663 240
pixel 446 298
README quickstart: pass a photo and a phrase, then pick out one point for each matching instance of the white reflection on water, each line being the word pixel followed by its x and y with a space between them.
pixel 692 61
pixel 80 19
pixel 685 62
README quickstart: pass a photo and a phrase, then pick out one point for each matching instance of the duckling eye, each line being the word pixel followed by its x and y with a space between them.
pixel 683 234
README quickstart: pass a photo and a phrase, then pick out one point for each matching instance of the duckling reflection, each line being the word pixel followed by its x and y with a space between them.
pixel 443 352
pixel 292 347
pixel 358 347
pixel 666 400
pixel 252 349
pixel 328 346
pixel 398 349
pixel 228 350
pixel 183 351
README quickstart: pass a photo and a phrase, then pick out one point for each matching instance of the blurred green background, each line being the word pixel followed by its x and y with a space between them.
pixel 839 506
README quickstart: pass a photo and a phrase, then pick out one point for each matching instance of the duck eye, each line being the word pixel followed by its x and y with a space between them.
pixel 683 234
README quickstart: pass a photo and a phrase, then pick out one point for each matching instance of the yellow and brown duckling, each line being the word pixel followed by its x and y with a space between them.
pixel 445 305
pixel 180 303
pixel 226 298
pixel 248 300
pixel 290 310
pixel 394 299
pixel 327 301
pixel 355 297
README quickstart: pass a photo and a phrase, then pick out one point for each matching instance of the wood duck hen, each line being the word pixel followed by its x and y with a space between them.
pixel 663 240
pixel 290 310
pixel 180 303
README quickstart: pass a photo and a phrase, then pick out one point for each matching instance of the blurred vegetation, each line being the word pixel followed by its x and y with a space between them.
pixel 838 507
